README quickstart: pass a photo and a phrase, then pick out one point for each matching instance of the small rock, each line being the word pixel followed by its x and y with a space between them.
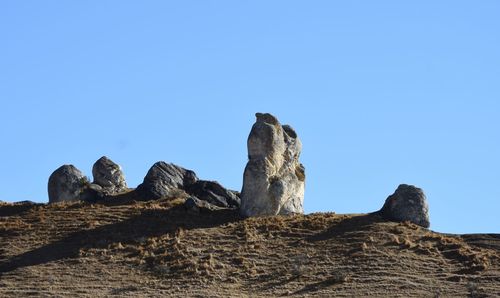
pixel 67 183
pixel 194 205
pixel 214 193
pixel 109 176
pixel 93 193
pixel 165 180
pixel 190 203
pixel 407 203
pixel 274 179
pixel 25 202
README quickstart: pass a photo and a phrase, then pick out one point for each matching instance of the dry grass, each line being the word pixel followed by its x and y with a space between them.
pixel 157 248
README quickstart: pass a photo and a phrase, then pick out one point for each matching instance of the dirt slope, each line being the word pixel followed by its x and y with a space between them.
pixel 127 248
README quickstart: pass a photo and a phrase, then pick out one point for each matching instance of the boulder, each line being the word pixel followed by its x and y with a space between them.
pixel 165 180
pixel 109 176
pixel 274 179
pixel 67 183
pixel 407 203
pixel 214 193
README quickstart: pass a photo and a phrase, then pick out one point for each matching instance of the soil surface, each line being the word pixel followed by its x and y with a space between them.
pixel 121 247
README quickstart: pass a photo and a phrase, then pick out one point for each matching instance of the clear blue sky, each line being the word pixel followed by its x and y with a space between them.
pixel 380 92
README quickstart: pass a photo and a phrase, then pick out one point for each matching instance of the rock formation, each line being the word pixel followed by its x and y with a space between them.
pixel 93 193
pixel 407 203
pixel 67 183
pixel 214 193
pixel 164 180
pixel 109 176
pixel 273 182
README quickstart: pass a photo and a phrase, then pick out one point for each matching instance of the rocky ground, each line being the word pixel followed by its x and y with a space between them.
pixel 121 247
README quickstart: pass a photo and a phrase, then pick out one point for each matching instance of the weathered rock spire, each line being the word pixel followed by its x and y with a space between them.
pixel 273 182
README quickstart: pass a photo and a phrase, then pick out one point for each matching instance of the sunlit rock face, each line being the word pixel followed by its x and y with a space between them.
pixel 67 183
pixel 109 176
pixel 273 182
pixel 407 203
pixel 164 180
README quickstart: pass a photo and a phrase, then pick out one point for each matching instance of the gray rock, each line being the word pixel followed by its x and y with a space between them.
pixel 67 183
pixel 274 179
pixel 194 205
pixel 25 202
pixel 109 176
pixel 165 180
pixel 93 193
pixel 214 193
pixel 191 204
pixel 407 203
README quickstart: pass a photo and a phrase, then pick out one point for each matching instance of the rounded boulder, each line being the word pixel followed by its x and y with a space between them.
pixel 407 203
pixel 67 183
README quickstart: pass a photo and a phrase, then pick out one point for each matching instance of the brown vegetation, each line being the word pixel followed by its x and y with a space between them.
pixel 127 248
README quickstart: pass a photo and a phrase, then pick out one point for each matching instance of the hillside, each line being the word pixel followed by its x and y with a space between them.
pixel 122 247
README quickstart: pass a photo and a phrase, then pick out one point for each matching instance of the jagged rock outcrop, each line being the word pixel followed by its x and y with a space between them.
pixel 274 179
pixel 67 183
pixel 109 176
pixel 407 203
pixel 164 180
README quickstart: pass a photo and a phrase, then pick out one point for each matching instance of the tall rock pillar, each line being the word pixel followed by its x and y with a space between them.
pixel 273 182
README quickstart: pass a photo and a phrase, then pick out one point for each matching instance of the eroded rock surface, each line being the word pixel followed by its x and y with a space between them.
pixel 407 203
pixel 274 179
pixel 67 183
pixel 164 180
pixel 109 176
